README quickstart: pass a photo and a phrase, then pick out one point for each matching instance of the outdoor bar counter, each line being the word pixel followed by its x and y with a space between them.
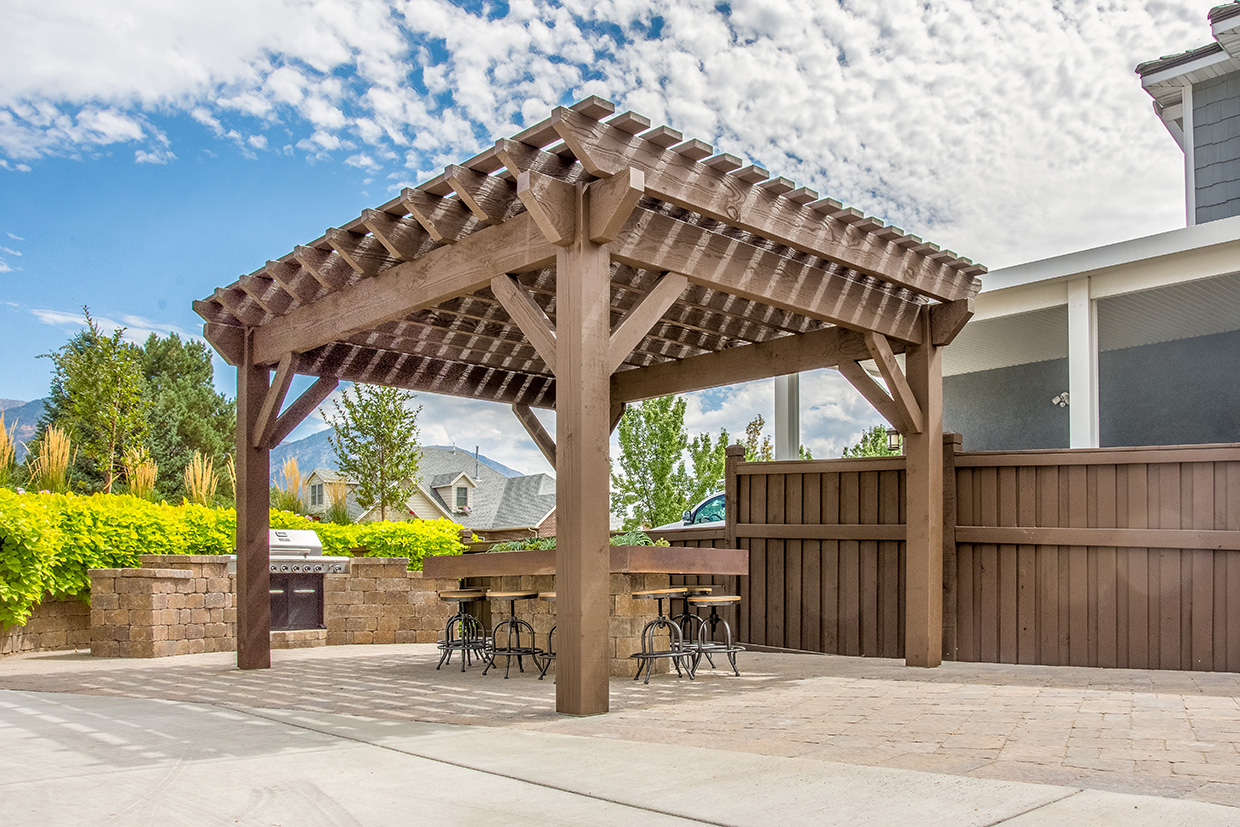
pixel 633 568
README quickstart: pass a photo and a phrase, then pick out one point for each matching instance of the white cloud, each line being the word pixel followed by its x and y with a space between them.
pixel 8 251
pixel 15 237
pixel 141 156
pixel 137 328
pixel 5 268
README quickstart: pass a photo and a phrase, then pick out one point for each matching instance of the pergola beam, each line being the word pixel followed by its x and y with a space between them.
pixel 465 267
pixel 265 425
pixel 310 399
pixel 825 348
pixel 605 150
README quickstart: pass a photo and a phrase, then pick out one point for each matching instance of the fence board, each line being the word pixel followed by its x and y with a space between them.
pixel 793 566
pixel 776 552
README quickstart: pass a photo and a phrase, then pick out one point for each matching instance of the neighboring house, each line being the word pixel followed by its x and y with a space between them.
pixel 454 484
pixel 1135 343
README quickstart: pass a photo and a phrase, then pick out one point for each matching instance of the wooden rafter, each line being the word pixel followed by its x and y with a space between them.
pixel 447 220
pixel 605 150
pixel 441 274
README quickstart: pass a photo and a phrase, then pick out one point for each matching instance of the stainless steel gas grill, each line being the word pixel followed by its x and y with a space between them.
pixel 297 569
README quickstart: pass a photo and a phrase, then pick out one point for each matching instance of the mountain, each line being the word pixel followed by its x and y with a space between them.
pixel 5 404
pixel 26 416
pixel 315 451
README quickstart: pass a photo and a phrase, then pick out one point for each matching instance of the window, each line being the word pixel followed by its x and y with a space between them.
pixel 316 494
pixel 462 497
pixel 709 511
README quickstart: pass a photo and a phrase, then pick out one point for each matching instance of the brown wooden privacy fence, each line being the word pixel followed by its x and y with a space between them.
pixel 1123 557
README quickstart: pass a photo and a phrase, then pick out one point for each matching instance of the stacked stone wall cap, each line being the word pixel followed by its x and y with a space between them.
pixel 169 574
pixel 195 559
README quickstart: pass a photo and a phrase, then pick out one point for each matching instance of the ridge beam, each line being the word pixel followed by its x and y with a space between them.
pixel 527 316
pixel 643 316
pixel 897 384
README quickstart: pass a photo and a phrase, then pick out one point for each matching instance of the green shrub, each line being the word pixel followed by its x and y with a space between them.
pixel 29 543
pixel 49 542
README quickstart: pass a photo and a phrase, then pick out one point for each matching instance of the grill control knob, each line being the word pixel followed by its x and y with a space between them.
pixel 318 569
pixel 274 568
pixel 284 567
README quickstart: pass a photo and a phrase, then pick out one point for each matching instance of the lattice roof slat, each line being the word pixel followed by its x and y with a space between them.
pixel 401 293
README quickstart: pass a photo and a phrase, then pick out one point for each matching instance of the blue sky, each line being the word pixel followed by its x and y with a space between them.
pixel 151 151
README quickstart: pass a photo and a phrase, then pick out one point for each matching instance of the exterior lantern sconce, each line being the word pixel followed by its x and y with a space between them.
pixel 893 441
pixel 1061 400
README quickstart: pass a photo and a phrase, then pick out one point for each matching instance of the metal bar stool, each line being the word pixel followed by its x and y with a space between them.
pixel 691 622
pixel 510 628
pixel 676 650
pixel 705 647
pixel 549 654
pixel 463 632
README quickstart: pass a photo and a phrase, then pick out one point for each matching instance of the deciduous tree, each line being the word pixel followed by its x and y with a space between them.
pixel 650 487
pixel 375 437
pixel 873 443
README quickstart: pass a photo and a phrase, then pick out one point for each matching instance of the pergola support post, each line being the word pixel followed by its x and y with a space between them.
pixel 582 556
pixel 253 496
pixel 923 630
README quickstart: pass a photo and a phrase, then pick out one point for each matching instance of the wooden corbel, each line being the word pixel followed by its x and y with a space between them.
pixel 611 201
pixel 630 330
pixel 948 319
pixel 528 316
pixel 552 205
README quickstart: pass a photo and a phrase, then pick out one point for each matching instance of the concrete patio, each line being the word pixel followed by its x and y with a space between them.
pixel 841 738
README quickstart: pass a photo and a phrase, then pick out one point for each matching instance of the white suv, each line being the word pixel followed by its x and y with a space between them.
pixel 706 514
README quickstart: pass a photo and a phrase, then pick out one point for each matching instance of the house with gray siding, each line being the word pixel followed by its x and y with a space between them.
pixel 1135 343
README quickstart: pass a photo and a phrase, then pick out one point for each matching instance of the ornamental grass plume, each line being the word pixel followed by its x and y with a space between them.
pixel 287 497
pixel 140 472
pixel 230 468
pixel 8 451
pixel 337 502
pixel 200 479
pixel 49 469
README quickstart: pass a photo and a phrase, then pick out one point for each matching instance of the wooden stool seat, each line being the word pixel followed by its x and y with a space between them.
pixel 660 594
pixel 692 590
pixel 457 595
pixel 511 595
pixel 548 596
pixel 715 600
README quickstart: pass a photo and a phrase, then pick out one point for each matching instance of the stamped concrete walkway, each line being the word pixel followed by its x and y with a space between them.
pixel 1173 735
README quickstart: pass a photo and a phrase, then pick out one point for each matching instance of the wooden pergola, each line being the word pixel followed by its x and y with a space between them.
pixel 587 262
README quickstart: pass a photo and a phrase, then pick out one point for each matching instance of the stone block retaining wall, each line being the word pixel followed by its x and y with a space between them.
pixel 53 625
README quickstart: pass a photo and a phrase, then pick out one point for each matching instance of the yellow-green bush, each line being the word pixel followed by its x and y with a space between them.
pixel 49 542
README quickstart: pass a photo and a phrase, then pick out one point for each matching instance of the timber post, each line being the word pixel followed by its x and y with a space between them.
pixel 253 516
pixel 952 444
pixel 582 556
pixel 923 450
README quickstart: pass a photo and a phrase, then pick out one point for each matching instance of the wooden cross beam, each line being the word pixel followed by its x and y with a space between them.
pixel 310 399
pixel 273 400
pixel 824 348
pixel 447 220
pixel 364 253
pixel 403 238
pixel 327 268
pixel 295 279
pixel 487 197
pixel 873 393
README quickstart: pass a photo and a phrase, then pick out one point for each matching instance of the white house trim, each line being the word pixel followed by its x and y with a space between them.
pixel 1082 366
pixel 788 416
